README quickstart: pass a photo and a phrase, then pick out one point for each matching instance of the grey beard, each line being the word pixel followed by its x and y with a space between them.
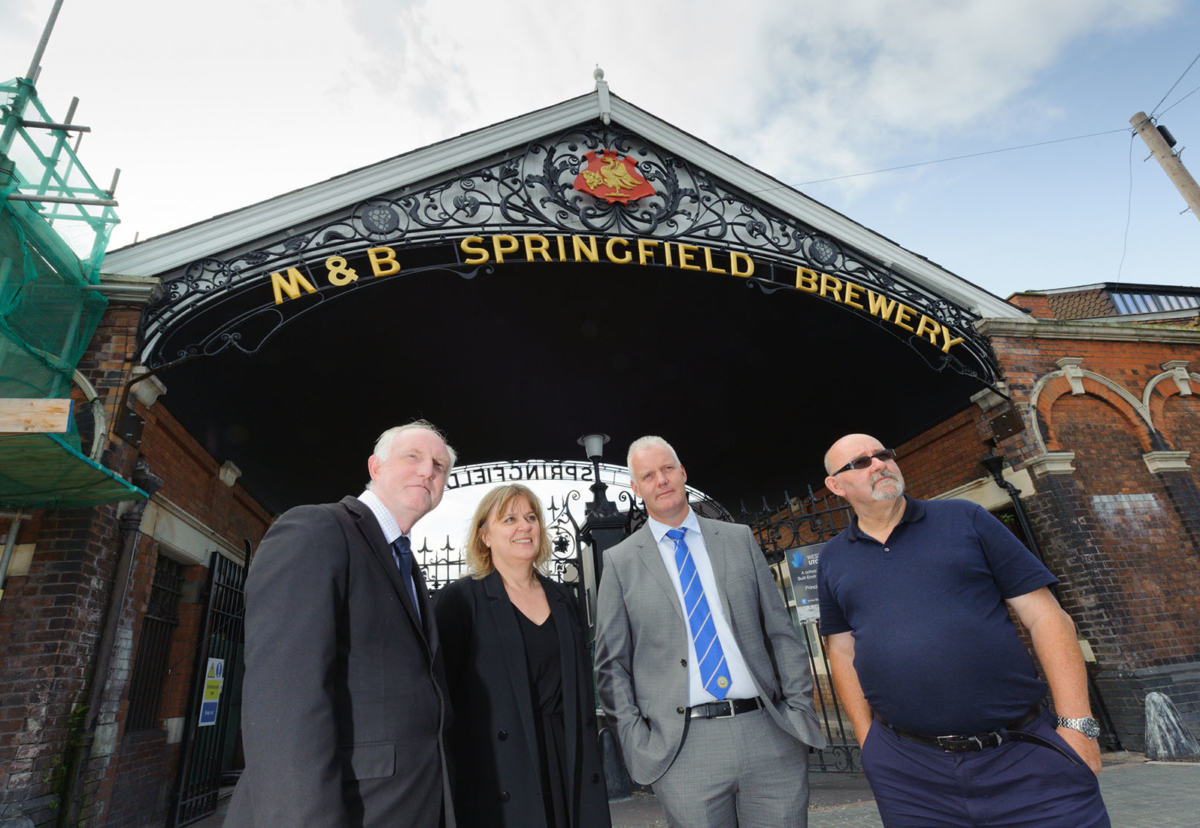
pixel 888 493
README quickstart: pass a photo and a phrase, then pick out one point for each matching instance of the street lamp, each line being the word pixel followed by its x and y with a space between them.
pixel 605 525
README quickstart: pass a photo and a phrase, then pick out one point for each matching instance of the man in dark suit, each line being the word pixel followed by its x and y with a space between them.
pixel 698 664
pixel 344 698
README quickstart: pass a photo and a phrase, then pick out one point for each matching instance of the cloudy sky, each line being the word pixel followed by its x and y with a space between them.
pixel 207 107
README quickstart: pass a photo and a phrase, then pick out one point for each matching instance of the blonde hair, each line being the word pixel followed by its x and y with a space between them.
pixel 496 502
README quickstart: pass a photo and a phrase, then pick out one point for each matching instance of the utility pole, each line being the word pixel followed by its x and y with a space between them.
pixel 1169 161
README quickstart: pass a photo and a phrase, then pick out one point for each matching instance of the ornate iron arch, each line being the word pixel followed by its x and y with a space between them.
pixel 225 301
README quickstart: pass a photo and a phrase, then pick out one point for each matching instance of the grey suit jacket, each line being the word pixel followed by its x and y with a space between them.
pixel 642 644
pixel 344 700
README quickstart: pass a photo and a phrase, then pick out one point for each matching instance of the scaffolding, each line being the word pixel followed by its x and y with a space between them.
pixel 55 223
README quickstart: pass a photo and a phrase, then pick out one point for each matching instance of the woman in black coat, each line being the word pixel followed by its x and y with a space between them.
pixel 523 739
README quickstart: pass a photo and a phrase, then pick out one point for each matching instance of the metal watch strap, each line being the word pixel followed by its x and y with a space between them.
pixel 1089 727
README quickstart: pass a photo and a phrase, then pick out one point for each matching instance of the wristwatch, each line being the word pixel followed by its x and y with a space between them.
pixel 1088 727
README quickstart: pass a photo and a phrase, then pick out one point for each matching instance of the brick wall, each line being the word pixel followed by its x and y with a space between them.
pixel 1122 539
pixel 48 633
pixel 51 619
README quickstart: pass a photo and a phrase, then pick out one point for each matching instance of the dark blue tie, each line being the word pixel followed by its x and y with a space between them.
pixel 714 672
pixel 402 552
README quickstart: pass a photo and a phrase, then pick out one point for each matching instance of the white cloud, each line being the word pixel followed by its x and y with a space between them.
pixel 210 107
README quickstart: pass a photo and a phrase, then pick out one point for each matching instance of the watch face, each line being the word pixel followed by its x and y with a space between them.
pixel 1088 727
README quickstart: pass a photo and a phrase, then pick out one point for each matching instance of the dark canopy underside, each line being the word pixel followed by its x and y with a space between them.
pixel 514 364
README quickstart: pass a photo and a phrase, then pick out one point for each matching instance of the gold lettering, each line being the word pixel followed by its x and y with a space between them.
pixel 588 250
pixel 685 257
pixel 539 245
pixel 562 251
pixel 337 273
pixel 734 259
pixel 806 280
pixel 902 312
pixel 927 327
pixel 947 342
pixel 880 305
pixel 504 244
pixel 709 267
pixel 831 285
pixel 291 287
pixel 612 257
pixel 479 254
pixel 851 291
pixel 645 254
pixel 383 261
pixel 667 247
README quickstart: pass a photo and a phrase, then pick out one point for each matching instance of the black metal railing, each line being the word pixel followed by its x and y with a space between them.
pixel 206 749
pixel 154 647
pixel 806 523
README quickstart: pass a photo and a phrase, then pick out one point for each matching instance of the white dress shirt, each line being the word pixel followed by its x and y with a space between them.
pixel 741 685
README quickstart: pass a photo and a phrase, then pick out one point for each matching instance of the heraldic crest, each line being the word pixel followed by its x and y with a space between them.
pixel 613 178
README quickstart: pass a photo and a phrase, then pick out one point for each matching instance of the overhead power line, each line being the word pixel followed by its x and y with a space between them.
pixel 1181 100
pixel 961 157
pixel 1154 111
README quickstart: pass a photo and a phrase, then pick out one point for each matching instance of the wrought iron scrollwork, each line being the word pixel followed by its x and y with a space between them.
pixel 532 191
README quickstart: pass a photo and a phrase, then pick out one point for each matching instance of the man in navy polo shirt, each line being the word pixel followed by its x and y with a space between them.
pixel 943 695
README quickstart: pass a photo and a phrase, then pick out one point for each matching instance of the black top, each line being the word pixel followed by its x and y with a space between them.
pixel 544 663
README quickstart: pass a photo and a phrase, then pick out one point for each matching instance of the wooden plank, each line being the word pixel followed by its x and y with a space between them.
pixel 35 416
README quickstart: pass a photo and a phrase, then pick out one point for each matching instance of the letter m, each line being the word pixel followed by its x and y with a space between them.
pixel 291 286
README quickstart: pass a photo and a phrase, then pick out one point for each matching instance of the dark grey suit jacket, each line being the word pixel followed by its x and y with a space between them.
pixel 642 644
pixel 344 697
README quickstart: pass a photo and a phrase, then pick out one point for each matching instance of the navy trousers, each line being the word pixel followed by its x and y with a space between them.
pixel 1015 784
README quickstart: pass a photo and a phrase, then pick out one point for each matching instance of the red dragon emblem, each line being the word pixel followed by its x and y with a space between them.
pixel 613 178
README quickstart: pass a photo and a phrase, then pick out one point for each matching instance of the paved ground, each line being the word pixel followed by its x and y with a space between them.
pixel 1139 794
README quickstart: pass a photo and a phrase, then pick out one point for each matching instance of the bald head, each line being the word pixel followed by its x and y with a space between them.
pixel 878 481
pixel 842 446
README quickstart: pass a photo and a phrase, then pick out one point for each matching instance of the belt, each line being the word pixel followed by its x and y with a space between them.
pixel 1011 732
pixel 724 709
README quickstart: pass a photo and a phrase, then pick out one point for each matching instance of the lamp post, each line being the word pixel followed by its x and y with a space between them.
pixel 605 525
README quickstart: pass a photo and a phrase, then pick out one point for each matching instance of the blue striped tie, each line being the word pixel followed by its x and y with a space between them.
pixel 714 672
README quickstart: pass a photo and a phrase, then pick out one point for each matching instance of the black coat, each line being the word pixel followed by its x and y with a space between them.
pixel 344 696
pixel 493 741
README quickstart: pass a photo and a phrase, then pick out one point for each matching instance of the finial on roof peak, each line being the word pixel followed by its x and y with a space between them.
pixel 605 106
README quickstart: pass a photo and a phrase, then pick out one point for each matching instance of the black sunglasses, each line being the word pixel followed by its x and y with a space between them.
pixel 860 463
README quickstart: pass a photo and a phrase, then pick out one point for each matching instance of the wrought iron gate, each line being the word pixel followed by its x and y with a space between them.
pixel 802 522
pixel 207 749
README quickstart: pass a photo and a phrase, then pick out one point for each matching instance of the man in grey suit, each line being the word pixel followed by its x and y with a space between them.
pixel 345 703
pixel 698 663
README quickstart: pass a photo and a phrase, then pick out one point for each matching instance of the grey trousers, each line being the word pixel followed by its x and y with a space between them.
pixel 742 771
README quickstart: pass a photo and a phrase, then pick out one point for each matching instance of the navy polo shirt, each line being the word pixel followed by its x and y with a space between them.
pixel 934 648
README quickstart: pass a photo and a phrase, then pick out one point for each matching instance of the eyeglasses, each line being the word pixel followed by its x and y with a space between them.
pixel 860 463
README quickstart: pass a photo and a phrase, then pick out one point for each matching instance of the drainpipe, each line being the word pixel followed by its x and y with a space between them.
pixel 994 463
pixel 9 544
pixel 80 757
